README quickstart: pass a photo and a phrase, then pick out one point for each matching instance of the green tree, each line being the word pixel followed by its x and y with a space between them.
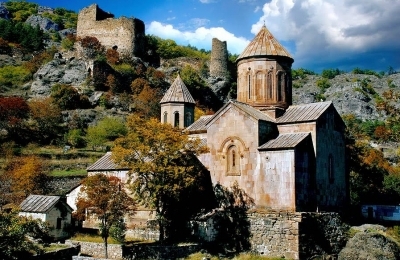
pixel 75 138
pixel 14 232
pixel 65 96
pixel 107 129
pixel 106 198
pixel 96 136
pixel 163 166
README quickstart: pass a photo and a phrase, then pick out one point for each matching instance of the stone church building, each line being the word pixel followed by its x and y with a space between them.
pixel 288 158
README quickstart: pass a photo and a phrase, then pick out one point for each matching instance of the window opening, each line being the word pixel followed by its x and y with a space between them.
pixel 176 121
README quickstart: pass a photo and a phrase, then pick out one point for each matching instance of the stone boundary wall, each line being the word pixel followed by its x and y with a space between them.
pixel 145 252
pixel 297 235
pixel 97 249
pixel 61 254
pixel 275 234
pixel 219 58
pixel 143 234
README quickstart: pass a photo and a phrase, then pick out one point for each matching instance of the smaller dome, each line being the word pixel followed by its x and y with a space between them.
pixel 264 44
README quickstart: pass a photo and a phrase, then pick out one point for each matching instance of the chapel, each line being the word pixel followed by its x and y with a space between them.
pixel 285 157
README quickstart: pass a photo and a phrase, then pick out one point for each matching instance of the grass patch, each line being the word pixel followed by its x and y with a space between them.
pixel 69 173
pixel 242 256
pixel 54 247
pixel 94 238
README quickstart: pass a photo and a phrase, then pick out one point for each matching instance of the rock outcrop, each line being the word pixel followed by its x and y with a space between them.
pixel 3 11
pixel 371 246
pixel 44 23
pixel 72 72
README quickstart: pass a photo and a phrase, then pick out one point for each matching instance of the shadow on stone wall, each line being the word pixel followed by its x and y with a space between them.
pixel 232 225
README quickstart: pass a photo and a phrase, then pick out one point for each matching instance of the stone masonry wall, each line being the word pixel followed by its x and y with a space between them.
pixel 275 234
pixel 297 235
pixel 127 34
pixel 219 58
pixel 97 249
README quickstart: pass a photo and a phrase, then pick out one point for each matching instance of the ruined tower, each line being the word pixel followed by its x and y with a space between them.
pixel 219 58
pixel 264 75
pixel 127 35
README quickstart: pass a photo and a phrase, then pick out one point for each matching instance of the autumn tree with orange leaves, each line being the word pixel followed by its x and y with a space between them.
pixel 106 198
pixel 166 175
pixel 23 176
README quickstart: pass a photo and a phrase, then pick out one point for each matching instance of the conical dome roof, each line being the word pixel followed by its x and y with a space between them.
pixel 177 93
pixel 264 44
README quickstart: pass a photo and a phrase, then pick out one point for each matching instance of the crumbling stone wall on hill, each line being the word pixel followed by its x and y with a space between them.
pixel 125 34
pixel 219 58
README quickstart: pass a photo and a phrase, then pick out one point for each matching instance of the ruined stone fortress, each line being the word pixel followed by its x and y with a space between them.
pixel 127 35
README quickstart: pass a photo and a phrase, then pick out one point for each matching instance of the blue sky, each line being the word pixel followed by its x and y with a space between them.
pixel 319 34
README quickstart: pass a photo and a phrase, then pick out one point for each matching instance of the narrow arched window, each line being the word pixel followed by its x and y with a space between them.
pixel 249 79
pixel 233 165
pixel 165 117
pixel 269 85
pixel 279 86
pixel 176 119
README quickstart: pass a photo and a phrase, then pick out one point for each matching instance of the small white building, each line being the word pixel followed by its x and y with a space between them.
pixel 50 209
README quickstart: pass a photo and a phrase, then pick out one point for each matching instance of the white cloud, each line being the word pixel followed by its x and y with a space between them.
pixel 201 37
pixel 171 18
pixel 207 1
pixel 331 28
pixel 257 9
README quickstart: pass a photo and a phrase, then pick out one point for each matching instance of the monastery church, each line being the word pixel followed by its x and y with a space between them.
pixel 286 157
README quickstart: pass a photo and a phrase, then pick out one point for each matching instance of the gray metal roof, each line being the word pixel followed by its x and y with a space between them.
pixel 284 141
pixel 177 93
pixel 200 124
pixel 38 203
pixel 304 113
pixel 105 163
pixel 264 44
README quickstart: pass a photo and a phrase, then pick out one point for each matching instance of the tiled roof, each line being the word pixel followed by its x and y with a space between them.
pixel 200 124
pixel 38 203
pixel 284 141
pixel 178 92
pixel 304 113
pixel 104 163
pixel 264 44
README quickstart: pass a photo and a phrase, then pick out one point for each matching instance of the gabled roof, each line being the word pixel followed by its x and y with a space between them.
pixel 284 141
pixel 177 93
pixel 264 44
pixel 304 113
pixel 200 124
pixel 105 163
pixel 40 203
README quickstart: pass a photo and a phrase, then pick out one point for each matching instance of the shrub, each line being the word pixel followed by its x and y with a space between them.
pixel 323 84
pixel 14 75
pixel 330 73
pixel 68 42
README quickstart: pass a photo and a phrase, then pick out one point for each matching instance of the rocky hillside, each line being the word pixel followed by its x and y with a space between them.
pixel 347 93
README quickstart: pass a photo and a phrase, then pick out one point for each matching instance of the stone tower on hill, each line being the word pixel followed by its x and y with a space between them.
pixel 127 35
pixel 219 58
